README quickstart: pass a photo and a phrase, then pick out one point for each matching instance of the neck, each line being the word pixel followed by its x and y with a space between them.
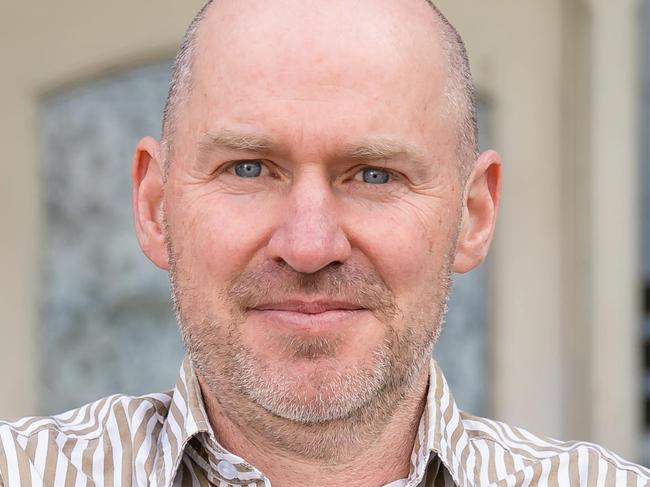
pixel 346 452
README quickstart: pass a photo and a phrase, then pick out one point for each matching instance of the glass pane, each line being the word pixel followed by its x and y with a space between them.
pixel 106 312
pixel 645 223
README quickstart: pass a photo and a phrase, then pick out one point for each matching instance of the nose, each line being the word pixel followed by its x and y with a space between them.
pixel 310 237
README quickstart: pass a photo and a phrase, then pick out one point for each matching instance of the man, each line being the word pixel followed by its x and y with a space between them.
pixel 317 184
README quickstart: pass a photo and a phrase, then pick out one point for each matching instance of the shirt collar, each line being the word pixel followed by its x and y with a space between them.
pixel 185 419
pixel 440 432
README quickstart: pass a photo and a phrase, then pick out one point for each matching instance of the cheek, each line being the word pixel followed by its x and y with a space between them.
pixel 216 236
pixel 409 245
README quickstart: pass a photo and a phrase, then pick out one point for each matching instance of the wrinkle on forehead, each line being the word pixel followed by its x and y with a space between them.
pixel 252 64
pixel 244 42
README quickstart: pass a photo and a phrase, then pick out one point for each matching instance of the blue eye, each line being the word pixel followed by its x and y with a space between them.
pixel 373 175
pixel 248 169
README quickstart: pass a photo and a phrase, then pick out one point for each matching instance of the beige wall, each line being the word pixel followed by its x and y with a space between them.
pixel 564 319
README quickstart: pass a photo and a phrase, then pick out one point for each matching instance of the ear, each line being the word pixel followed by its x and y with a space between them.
pixel 147 179
pixel 480 208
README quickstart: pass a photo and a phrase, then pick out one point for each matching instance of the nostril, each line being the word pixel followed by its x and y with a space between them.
pixel 308 245
pixel 279 260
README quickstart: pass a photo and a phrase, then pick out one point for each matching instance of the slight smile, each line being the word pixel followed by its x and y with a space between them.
pixel 312 316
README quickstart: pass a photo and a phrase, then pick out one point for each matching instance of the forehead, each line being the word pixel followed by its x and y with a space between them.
pixel 366 26
pixel 318 67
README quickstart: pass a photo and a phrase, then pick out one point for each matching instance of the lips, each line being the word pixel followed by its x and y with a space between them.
pixel 313 316
pixel 309 307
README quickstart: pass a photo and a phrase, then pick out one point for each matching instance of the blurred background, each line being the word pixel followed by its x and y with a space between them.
pixel 552 333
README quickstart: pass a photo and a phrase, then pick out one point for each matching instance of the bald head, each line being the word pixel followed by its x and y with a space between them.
pixel 459 103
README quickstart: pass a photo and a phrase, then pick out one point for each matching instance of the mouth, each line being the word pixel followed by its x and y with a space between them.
pixel 308 307
pixel 308 315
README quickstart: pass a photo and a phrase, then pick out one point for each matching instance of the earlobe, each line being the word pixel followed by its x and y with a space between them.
pixel 147 180
pixel 480 208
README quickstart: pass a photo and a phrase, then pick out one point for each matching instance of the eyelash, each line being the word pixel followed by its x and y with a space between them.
pixel 230 168
pixel 392 175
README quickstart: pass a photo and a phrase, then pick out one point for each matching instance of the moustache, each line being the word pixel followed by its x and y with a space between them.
pixel 277 281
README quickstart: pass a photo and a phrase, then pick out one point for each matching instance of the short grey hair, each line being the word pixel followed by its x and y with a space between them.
pixel 181 81
pixel 459 87
pixel 459 91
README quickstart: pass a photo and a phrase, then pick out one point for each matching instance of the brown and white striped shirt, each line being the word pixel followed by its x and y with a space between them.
pixel 166 440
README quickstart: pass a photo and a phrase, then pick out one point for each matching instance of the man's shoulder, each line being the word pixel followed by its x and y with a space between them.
pixel 520 450
pixel 91 420
pixel 115 423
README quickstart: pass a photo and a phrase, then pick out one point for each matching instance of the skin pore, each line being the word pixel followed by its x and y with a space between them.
pixel 311 216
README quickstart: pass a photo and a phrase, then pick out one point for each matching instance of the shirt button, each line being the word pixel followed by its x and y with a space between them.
pixel 227 470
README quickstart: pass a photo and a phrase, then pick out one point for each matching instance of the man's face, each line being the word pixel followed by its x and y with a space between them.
pixel 312 203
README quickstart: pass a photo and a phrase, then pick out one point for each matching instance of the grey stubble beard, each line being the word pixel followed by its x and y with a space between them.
pixel 356 403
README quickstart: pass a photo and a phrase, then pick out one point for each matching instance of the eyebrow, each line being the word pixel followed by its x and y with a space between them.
pixel 236 142
pixel 382 147
pixel 372 149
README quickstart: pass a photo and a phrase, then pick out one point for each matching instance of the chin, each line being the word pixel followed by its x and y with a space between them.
pixel 311 390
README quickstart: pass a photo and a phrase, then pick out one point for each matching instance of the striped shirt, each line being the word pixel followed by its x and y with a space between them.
pixel 166 440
